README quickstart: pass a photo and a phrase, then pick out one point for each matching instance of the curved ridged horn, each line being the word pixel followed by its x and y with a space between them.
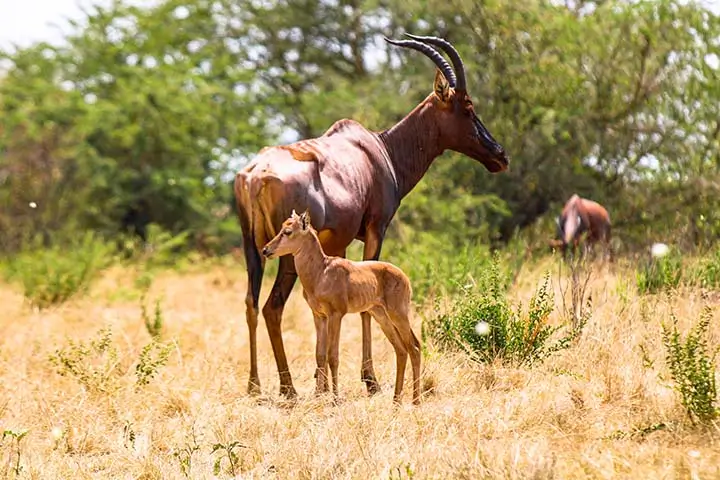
pixel 430 52
pixel 452 53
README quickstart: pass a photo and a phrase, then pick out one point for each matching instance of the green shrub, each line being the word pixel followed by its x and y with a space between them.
pixel 152 358
pixel 13 464
pixel 93 364
pixel 692 368
pixel 53 275
pixel 707 273
pixel 437 269
pixel 484 325
pixel 162 247
pixel 659 274
pixel 154 322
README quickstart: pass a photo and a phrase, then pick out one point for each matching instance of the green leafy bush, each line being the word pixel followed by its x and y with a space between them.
pixel 162 247
pixel 707 273
pixel 53 275
pixel 154 322
pixel 152 358
pixel 659 274
pixel 484 325
pixel 692 368
pixel 438 269
pixel 93 364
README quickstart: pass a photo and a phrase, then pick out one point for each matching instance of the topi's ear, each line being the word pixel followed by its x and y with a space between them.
pixel 441 87
pixel 305 219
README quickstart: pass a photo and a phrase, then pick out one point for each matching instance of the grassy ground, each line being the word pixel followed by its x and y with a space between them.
pixel 597 410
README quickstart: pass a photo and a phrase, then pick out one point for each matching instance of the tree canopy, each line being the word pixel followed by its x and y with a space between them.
pixel 617 101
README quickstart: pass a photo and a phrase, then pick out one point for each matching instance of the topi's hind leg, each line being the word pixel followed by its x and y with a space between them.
pixel 255 265
pixel 251 315
pixel 272 311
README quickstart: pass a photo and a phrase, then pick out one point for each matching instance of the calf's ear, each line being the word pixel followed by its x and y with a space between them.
pixel 305 219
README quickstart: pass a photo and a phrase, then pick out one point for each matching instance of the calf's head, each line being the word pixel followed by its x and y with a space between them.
pixel 293 232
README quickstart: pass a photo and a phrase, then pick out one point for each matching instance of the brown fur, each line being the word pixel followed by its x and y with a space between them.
pixel 594 221
pixel 352 181
pixel 334 286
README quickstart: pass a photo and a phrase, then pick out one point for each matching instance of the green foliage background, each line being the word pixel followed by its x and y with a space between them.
pixel 618 101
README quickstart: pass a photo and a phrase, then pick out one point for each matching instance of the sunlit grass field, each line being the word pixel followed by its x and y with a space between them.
pixel 603 408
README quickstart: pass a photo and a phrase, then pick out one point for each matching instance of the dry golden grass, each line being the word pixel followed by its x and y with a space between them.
pixel 562 419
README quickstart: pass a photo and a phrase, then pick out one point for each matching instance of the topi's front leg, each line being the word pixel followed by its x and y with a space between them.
pixel 272 311
pixel 371 251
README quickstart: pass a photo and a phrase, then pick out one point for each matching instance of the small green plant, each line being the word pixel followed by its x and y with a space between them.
pixel 402 472
pixel 484 325
pixel 185 454
pixel 638 432
pixel 647 361
pixel 14 459
pixel 94 365
pixel 152 358
pixel 227 451
pixel 707 273
pixel 143 281
pixel 162 246
pixel 128 435
pixel 51 276
pixel 692 368
pixel 623 293
pixel 153 323
pixel 659 274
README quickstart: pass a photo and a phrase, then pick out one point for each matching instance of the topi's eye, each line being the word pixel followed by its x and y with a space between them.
pixel 287 231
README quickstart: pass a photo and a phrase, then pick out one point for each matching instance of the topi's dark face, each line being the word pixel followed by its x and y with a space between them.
pixel 461 129
pixel 466 134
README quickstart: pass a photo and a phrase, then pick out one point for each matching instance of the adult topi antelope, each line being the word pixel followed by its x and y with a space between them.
pixel 352 181
pixel 335 286
pixel 580 215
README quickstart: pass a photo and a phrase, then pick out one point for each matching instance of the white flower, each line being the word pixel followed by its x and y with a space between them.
pixel 32 205
pixel 659 250
pixel 482 328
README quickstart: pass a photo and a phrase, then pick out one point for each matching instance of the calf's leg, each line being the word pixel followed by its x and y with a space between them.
pixel 401 353
pixel 334 324
pixel 321 349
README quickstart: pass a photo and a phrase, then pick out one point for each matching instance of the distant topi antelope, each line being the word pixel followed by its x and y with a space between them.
pixel 335 286
pixel 580 215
